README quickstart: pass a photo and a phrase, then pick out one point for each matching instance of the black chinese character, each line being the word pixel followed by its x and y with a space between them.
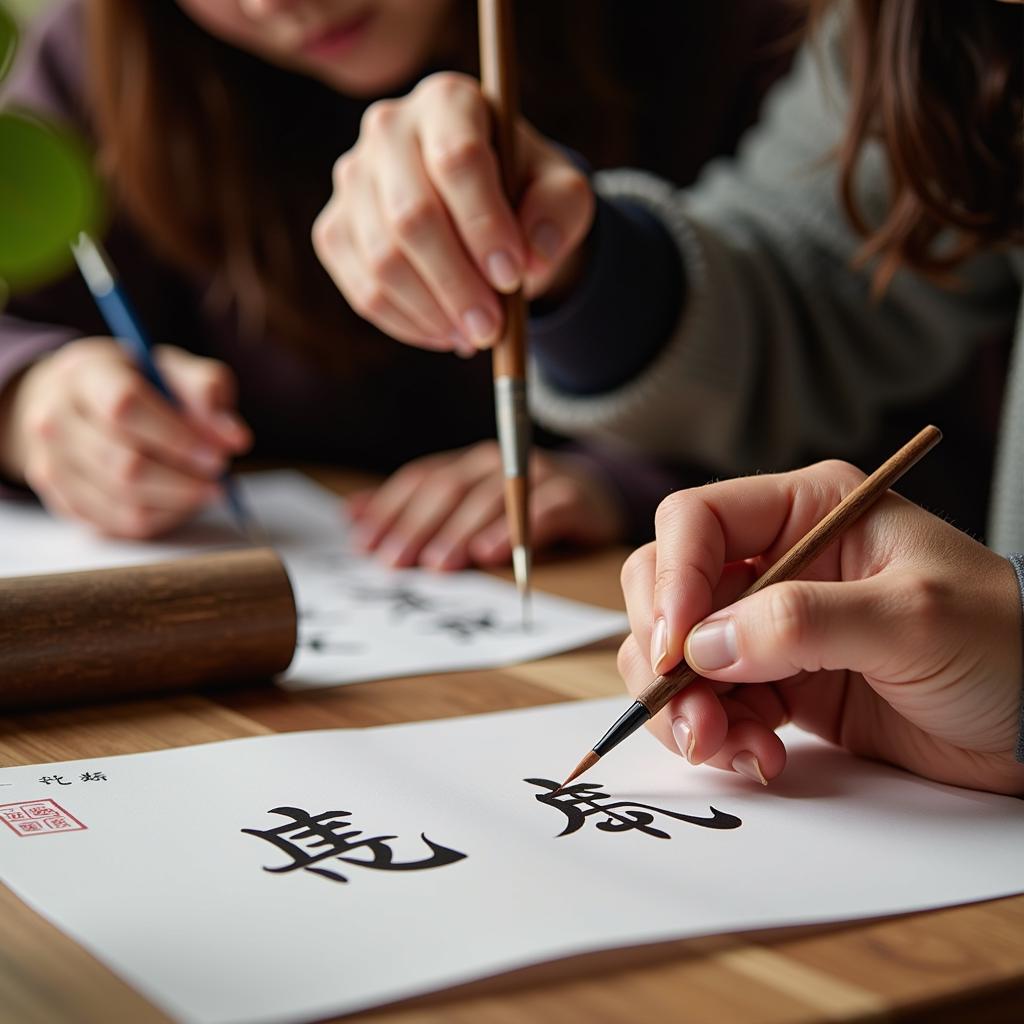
pixel 59 779
pixel 327 645
pixel 465 627
pixel 580 801
pixel 403 599
pixel 94 777
pixel 330 841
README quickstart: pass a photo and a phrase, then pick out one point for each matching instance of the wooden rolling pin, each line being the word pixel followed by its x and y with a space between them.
pixel 220 618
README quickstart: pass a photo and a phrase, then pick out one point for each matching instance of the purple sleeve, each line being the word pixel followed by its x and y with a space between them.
pixel 622 313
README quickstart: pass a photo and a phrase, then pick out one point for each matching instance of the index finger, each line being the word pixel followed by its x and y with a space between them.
pixel 455 138
pixel 701 530
pixel 121 401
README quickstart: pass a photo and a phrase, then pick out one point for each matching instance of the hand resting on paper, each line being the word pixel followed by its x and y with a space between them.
pixel 903 642
pixel 96 442
pixel 419 236
pixel 447 511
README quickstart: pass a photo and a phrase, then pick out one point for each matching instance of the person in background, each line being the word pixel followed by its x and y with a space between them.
pixel 216 124
pixel 866 243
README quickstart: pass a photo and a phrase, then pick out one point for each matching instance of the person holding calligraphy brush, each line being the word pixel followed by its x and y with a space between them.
pixel 849 263
pixel 216 124
pixel 780 310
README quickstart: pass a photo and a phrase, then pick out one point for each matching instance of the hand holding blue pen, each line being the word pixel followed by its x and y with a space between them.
pixel 129 440
pixel 125 328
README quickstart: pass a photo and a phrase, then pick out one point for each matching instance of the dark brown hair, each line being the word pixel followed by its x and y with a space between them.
pixel 224 160
pixel 939 84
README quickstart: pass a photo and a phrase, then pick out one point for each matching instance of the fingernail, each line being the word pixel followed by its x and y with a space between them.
pixel 546 240
pixel 502 271
pixel 684 737
pixel 712 646
pixel 747 765
pixel 480 326
pixel 208 461
pixel 659 643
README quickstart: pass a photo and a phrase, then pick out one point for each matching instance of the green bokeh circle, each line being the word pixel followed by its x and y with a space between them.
pixel 47 195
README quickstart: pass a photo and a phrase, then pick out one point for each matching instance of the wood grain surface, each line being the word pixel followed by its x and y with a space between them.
pixel 964 964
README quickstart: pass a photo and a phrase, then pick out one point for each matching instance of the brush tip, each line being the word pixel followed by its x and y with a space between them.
pixel 586 764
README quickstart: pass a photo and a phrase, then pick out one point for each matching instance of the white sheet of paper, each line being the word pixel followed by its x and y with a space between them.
pixel 164 886
pixel 358 620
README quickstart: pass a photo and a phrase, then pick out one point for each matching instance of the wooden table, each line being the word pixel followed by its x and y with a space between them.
pixel 959 965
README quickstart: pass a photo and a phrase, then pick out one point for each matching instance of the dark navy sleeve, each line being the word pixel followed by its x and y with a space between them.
pixel 1017 561
pixel 622 313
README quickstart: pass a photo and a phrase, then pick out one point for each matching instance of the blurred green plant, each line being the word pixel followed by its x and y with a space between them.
pixel 48 191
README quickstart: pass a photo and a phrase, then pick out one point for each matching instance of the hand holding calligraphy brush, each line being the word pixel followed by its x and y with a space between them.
pixel 498 78
pixel 794 562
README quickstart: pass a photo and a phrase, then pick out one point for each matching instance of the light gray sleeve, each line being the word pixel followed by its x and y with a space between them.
pixel 1017 561
pixel 779 348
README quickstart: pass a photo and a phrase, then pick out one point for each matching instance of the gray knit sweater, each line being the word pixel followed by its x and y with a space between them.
pixel 778 341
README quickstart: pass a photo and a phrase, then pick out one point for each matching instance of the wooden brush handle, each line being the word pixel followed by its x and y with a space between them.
pixel 219 618
pixel 500 86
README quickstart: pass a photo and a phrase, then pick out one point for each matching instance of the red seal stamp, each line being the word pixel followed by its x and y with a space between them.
pixel 38 818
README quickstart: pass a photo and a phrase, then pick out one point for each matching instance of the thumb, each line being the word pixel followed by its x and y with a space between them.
pixel 555 211
pixel 207 391
pixel 802 626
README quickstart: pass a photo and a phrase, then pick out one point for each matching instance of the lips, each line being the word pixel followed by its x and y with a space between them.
pixel 337 39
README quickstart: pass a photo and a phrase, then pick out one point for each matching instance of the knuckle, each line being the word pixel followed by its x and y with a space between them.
pixel 42 425
pixel 455 157
pixel 448 87
pixel 414 218
pixel 344 171
pixel 122 402
pixel 324 233
pixel 790 615
pixel 372 302
pixel 445 489
pixel 128 467
pixel 923 600
pixel 386 262
pixel 379 117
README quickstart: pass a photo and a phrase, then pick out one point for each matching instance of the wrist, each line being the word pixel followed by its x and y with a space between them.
pixel 12 433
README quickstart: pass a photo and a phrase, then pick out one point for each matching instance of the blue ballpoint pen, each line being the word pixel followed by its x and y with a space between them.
pixel 113 304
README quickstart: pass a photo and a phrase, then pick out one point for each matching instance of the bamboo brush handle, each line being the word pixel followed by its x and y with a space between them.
pixel 500 86
pixel 77 636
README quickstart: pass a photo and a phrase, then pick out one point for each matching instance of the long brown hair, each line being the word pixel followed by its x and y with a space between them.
pixel 939 83
pixel 224 160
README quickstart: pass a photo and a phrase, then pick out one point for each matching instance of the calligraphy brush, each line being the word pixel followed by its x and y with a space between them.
pixel 105 288
pixel 498 78
pixel 791 564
